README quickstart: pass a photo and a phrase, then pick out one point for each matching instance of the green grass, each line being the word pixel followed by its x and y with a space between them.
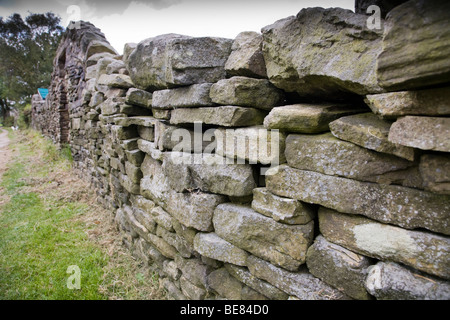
pixel 42 235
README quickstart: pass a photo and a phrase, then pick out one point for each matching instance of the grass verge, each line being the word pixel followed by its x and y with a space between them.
pixel 50 220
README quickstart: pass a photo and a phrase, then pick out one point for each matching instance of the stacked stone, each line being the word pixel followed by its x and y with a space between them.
pixel 355 200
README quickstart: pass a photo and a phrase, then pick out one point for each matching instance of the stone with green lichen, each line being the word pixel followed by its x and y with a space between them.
pixel 369 131
pixel 435 172
pixel 285 210
pixel 406 207
pixel 196 95
pixel 339 267
pixel 307 118
pixel 427 102
pixel 323 53
pixel 212 246
pixel 133 172
pixel 246 92
pixel 424 251
pixel 139 97
pixel 283 245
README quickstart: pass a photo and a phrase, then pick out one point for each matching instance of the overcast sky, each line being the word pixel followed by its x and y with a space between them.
pixel 125 21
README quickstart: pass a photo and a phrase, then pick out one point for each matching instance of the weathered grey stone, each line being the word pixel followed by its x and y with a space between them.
pixel 254 144
pixel 263 287
pixel 130 144
pixel 369 131
pixel 428 102
pixel 127 50
pixel 390 281
pixel 188 234
pixel 115 67
pixel 225 116
pixel 281 244
pixel 99 46
pixel 421 250
pixel 329 155
pixel 168 137
pixel 175 60
pixel 301 284
pixel 196 95
pixel 129 185
pixel 172 290
pixel 426 133
pixel 194 270
pixel 307 118
pixel 418 21
pixel 246 58
pixel 162 218
pixel 192 209
pixel 132 110
pixel 142 203
pixel 170 267
pixel 96 99
pixel 111 106
pixel 133 172
pixel 339 267
pixel 162 114
pixel 150 148
pixel 230 288
pixel 135 157
pixel 190 290
pixel 146 133
pixel 123 133
pixel 139 97
pixel 322 53
pixel 115 81
pixel 406 207
pixel 94 59
pixel 145 219
pixel 435 172
pixel 134 223
pixel 144 121
pixel 212 246
pixel 163 247
pixel 211 174
pixel 283 210
pixel 175 241
pixel 246 92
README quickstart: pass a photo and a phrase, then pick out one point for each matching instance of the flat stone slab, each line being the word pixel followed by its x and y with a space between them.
pixel 405 207
pixel 283 245
pixel 246 92
pixel 212 246
pixel 369 131
pixel 435 172
pixel 144 121
pixel 339 267
pixel 225 116
pixel 426 133
pixel 196 95
pixel 424 251
pixel 390 281
pixel 139 97
pixel 284 210
pixel 427 102
pixel 307 118
pixel 329 155
pixel 302 285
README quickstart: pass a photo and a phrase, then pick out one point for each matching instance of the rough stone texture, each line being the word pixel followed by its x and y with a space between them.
pixel 421 250
pixel 246 58
pixel 177 60
pixel 212 246
pixel 329 155
pixel 283 245
pixel 369 131
pixel 390 281
pixel 254 144
pixel 263 287
pixel 307 118
pixel 139 97
pixel 194 270
pixel 435 172
pixel 115 81
pixel 212 174
pixel 419 21
pixel 426 133
pixel 192 291
pixel 339 267
pixel 225 116
pixel 326 53
pixel 428 102
pixel 196 95
pixel 144 121
pixel 280 209
pixel 230 288
pixel 405 207
pixel 301 284
pixel 246 92
pixel 150 148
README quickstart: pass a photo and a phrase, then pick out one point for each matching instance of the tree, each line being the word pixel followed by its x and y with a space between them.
pixel 27 50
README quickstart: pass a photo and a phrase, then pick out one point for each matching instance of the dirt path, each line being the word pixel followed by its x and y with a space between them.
pixel 5 153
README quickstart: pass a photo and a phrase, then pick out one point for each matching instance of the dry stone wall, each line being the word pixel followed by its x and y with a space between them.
pixel 307 162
